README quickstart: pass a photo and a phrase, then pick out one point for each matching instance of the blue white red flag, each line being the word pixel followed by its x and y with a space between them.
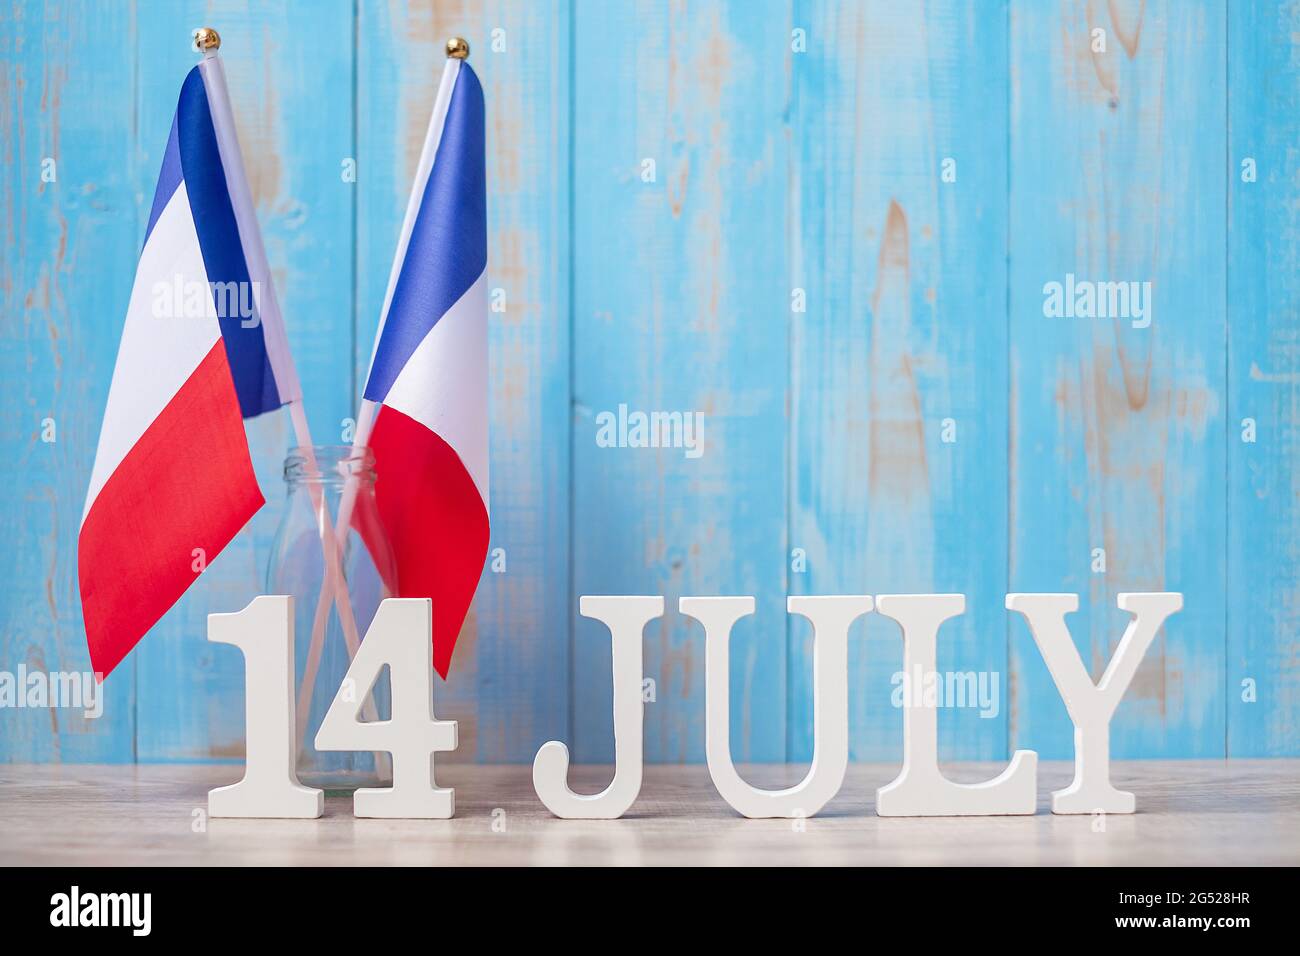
pixel 426 393
pixel 203 347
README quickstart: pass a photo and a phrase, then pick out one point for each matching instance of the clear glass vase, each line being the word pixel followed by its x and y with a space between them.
pixel 317 480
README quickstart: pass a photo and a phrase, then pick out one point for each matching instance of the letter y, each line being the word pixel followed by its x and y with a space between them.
pixel 1092 706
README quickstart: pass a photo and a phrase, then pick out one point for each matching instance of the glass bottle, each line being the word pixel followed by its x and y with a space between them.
pixel 317 480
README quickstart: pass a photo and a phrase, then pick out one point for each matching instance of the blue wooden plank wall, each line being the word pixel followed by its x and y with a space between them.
pixel 1117 426
pixel 903 345
pixel 1263 369
pixel 828 230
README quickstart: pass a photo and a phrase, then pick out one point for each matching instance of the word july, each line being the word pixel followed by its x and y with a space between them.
pixel 399 638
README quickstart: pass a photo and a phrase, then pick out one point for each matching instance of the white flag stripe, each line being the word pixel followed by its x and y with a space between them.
pixel 158 353
pixel 443 385
pixel 432 137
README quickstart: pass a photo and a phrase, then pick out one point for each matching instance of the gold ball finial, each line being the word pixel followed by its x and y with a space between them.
pixel 206 38
pixel 458 48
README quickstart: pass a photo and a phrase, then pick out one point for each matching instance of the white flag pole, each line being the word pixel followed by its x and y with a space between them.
pixel 208 42
pixel 457 50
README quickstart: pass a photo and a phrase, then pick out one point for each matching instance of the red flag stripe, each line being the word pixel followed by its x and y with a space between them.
pixel 187 484
pixel 435 520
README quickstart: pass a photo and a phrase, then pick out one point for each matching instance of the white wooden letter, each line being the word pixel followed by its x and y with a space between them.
pixel 400 636
pixel 831 618
pixel 921 790
pixel 1091 706
pixel 270 788
pixel 626 617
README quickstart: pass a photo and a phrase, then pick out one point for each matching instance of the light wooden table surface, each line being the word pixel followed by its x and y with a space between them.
pixel 1189 812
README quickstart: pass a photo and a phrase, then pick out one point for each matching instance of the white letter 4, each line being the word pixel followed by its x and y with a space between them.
pixel 401 636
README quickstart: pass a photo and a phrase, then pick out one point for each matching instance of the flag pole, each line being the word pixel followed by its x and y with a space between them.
pixel 457 48
pixel 208 42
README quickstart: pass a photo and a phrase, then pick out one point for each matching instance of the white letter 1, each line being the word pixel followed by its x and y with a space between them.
pixel 270 787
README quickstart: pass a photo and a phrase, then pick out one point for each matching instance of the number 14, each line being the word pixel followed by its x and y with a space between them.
pixel 400 636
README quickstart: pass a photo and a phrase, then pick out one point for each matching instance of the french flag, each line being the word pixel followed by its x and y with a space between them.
pixel 425 407
pixel 203 348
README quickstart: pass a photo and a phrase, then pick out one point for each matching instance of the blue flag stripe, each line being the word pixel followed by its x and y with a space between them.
pixel 223 252
pixel 447 250
pixel 169 177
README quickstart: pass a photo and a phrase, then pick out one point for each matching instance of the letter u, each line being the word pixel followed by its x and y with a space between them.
pixel 831 617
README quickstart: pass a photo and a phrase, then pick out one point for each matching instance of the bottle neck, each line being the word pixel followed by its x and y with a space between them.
pixel 329 467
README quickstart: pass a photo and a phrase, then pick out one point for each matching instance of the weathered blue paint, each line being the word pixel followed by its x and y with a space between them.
pixel 783 160
pixel 681 304
pixel 1263 668
pixel 67 265
pixel 1117 434
pixel 898 448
